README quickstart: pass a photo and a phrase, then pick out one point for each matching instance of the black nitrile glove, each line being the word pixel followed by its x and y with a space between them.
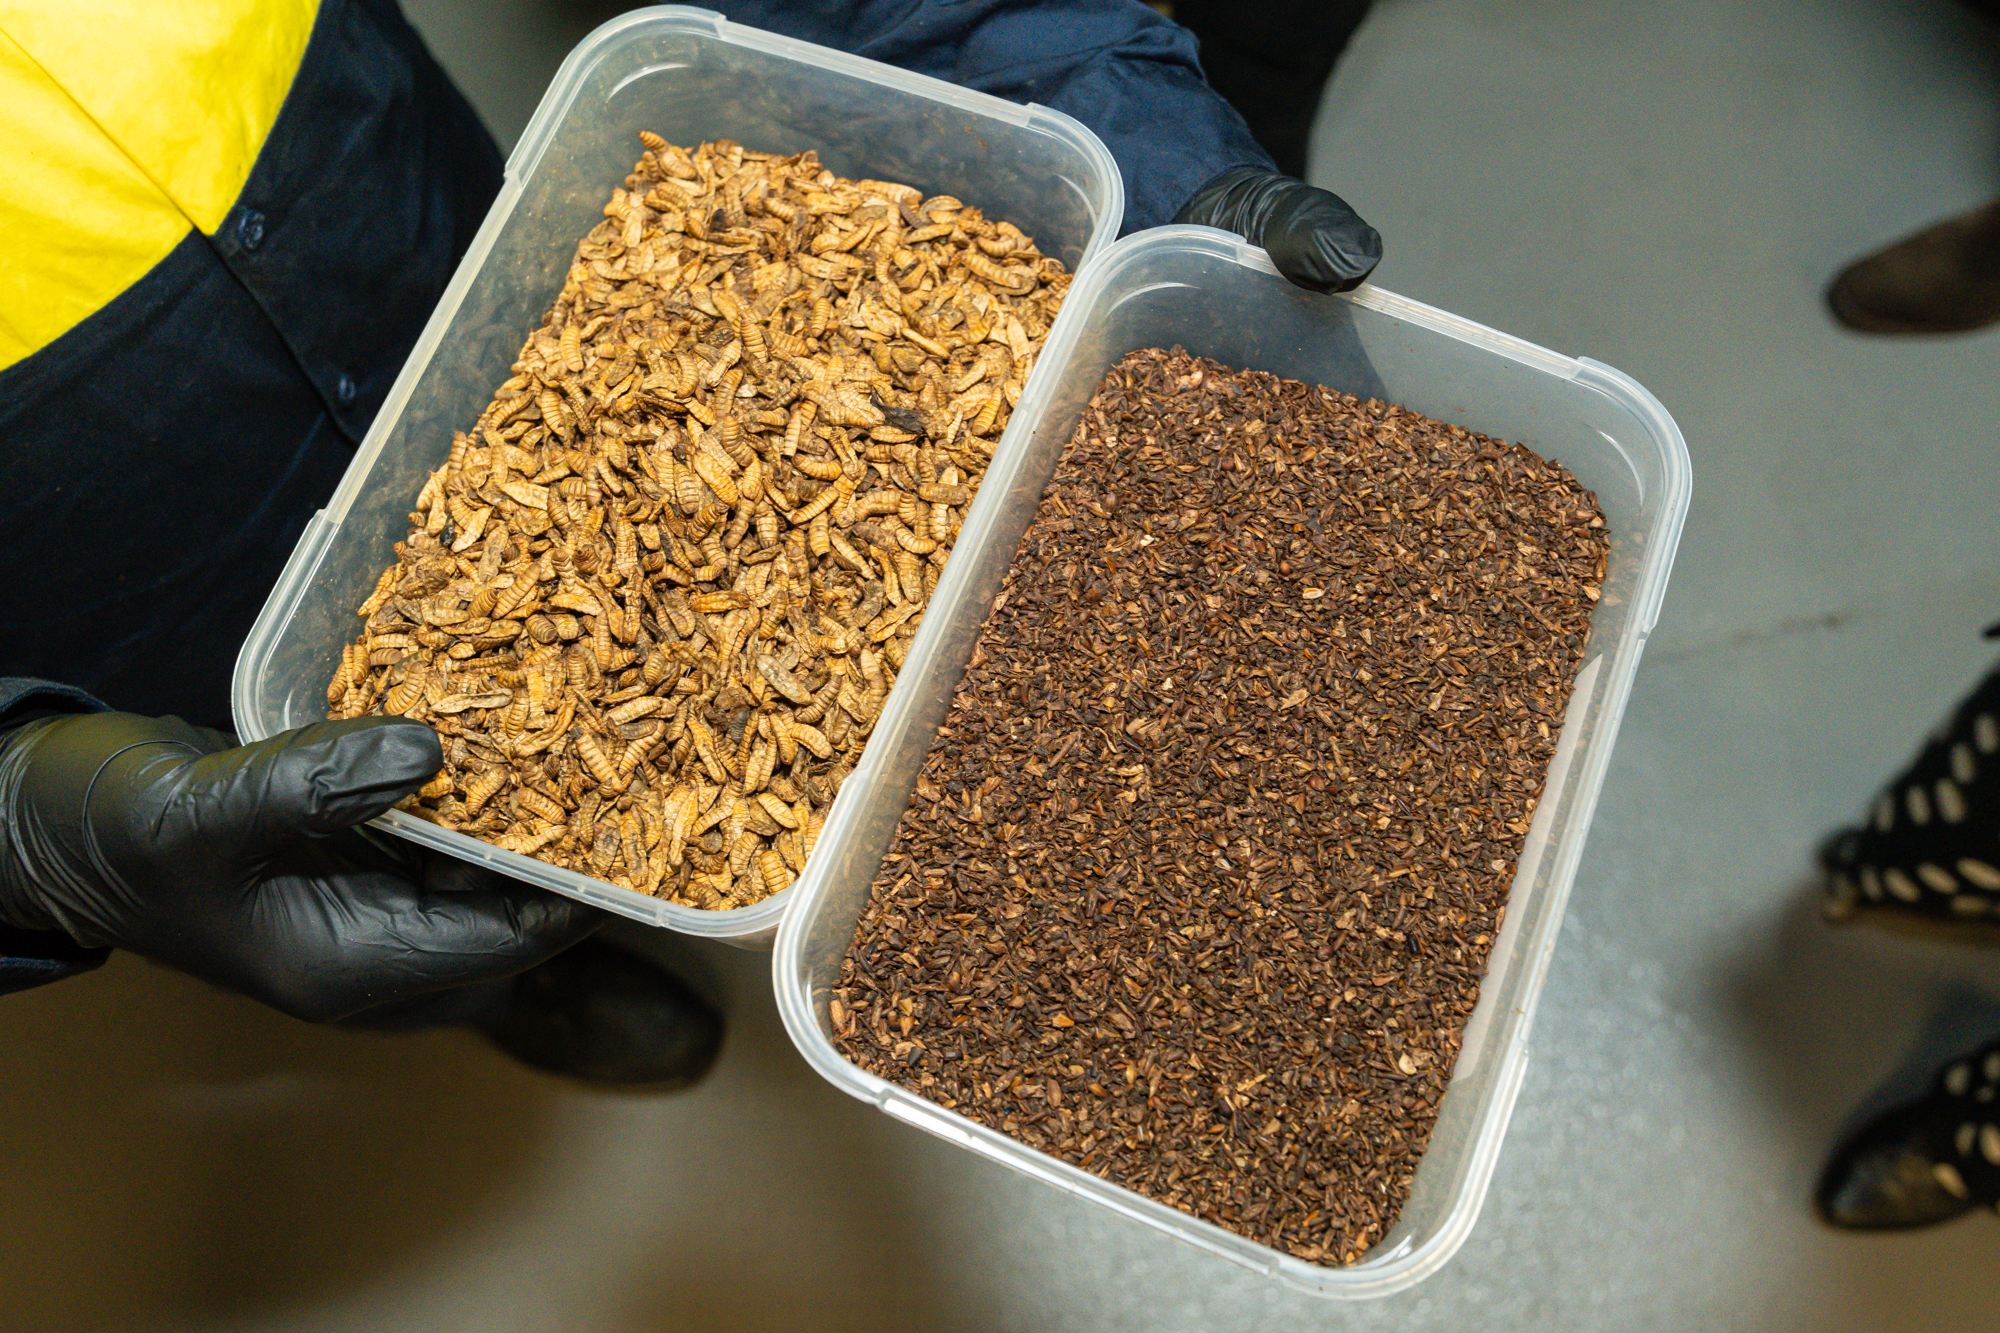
pixel 241 865
pixel 1313 237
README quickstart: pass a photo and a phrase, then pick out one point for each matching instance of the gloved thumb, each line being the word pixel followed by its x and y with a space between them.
pixel 1313 237
pixel 1318 241
pixel 307 782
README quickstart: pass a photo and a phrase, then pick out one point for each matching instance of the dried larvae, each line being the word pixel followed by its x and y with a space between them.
pixel 654 600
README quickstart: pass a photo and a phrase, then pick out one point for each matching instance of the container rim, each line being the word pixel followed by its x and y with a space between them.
pixel 1406 1263
pixel 541 128
pixel 1108 205
pixel 1102 187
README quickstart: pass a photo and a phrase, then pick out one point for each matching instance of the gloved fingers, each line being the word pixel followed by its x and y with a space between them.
pixel 498 925
pixel 1321 243
pixel 336 925
pixel 310 781
pixel 377 940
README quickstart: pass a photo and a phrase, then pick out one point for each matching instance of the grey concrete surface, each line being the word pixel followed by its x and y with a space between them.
pixel 1665 188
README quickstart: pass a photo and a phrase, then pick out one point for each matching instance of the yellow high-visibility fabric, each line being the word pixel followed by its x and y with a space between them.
pixel 122 126
pixel 79 222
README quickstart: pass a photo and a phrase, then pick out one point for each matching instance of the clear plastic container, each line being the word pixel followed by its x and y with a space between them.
pixel 1213 294
pixel 690 75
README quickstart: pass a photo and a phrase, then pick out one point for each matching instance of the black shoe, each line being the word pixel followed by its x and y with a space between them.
pixel 1943 279
pixel 1925 858
pixel 604 1016
pixel 1922 1163
pixel 1886 1177
pixel 1271 61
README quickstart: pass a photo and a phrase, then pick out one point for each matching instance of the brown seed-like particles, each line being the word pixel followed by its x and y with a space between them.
pixel 1201 875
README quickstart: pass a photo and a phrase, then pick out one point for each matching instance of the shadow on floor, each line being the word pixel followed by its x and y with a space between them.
pixel 802 1208
pixel 1835 1025
pixel 1843 1021
pixel 175 1153
pixel 176 1156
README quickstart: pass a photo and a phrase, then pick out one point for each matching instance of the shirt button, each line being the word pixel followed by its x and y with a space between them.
pixel 250 229
pixel 344 390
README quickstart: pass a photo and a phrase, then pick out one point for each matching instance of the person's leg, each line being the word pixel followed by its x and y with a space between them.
pixel 1270 59
pixel 1927 855
pixel 1942 279
pixel 1929 851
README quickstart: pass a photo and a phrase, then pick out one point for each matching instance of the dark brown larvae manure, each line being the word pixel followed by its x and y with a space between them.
pixel 1201 875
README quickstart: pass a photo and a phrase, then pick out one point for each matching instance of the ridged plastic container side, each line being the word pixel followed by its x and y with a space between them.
pixel 1209 292
pixel 692 76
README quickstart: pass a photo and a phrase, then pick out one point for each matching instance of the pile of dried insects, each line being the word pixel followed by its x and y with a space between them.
pixel 655 598
pixel 1201 875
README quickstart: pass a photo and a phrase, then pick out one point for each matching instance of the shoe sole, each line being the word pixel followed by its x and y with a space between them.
pixel 1850 315
pixel 1933 930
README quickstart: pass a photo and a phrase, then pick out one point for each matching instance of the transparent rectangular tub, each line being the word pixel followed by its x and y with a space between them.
pixel 691 76
pixel 1219 297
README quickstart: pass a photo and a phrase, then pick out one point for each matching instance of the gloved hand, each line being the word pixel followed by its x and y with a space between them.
pixel 241 865
pixel 1313 237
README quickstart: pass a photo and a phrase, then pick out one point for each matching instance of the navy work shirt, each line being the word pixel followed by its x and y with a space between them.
pixel 1116 65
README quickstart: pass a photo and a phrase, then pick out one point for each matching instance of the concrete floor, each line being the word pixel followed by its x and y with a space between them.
pixel 1664 188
